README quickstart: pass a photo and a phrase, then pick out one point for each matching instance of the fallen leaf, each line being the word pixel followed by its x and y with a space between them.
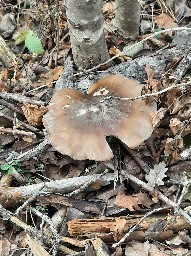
pixel 132 202
pixel 34 113
pixel 156 175
pixel 165 21
pixel 157 116
pixel 52 76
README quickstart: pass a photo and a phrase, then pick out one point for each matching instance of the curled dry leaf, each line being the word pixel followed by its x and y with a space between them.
pixel 173 149
pixel 158 116
pixel 156 175
pixel 132 202
pixel 34 113
pixel 115 51
pixel 52 76
pixel 78 124
pixel 165 21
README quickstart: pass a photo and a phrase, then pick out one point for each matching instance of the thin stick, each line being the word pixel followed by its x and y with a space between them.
pixel 145 95
pixel 52 228
pixel 131 47
pixel 162 197
pixel 30 153
pixel 20 98
pixel 17 132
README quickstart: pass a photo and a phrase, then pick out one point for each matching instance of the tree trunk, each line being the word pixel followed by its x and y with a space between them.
pixel 127 17
pixel 85 22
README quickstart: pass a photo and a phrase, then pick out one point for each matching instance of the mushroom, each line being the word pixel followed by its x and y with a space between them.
pixel 78 124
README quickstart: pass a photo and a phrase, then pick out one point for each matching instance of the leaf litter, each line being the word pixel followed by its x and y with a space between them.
pixel 55 205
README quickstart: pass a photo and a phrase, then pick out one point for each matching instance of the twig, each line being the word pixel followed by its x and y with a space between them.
pixel 52 228
pixel 145 95
pixel 159 195
pixel 11 106
pixel 19 122
pixel 32 198
pixel 6 215
pixel 20 98
pixel 136 226
pixel 131 47
pixel 30 153
pixel 17 132
pixel 85 185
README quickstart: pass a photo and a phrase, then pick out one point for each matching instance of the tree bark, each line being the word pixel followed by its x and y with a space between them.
pixel 127 17
pixel 85 22
pixel 105 227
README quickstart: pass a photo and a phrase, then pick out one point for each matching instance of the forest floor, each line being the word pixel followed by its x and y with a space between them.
pixel 137 203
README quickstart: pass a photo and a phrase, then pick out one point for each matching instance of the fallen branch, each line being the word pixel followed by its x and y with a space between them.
pixel 6 215
pixel 30 153
pixel 145 95
pixel 20 98
pixel 130 48
pixel 11 196
pixel 17 132
pixel 158 194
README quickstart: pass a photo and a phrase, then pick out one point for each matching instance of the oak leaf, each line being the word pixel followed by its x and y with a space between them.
pixel 156 175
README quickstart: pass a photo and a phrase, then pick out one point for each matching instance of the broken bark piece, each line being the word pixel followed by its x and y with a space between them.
pixel 105 226
pixel 78 124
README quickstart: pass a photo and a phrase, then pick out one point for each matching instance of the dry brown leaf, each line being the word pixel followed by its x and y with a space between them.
pixel 176 126
pixel 118 228
pixel 132 202
pixel 156 175
pixel 52 76
pixel 172 149
pixel 115 51
pixel 165 21
pixel 34 113
pixel 157 116
pixel 157 250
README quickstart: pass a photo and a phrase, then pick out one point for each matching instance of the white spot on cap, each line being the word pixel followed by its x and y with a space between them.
pixel 93 109
pixel 66 106
pixel 81 112
pixel 101 92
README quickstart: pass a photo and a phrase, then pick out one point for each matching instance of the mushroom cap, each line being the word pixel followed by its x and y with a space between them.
pixel 78 124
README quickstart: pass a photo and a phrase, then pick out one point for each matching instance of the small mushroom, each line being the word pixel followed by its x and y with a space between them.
pixel 78 124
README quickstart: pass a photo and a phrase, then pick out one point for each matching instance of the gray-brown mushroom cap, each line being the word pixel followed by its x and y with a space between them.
pixel 78 124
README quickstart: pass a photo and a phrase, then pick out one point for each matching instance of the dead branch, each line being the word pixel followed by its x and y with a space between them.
pixel 10 196
pixel 158 194
pixel 55 234
pixel 17 132
pixel 6 215
pixel 130 48
pixel 30 153
pixel 20 98
pixel 21 123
